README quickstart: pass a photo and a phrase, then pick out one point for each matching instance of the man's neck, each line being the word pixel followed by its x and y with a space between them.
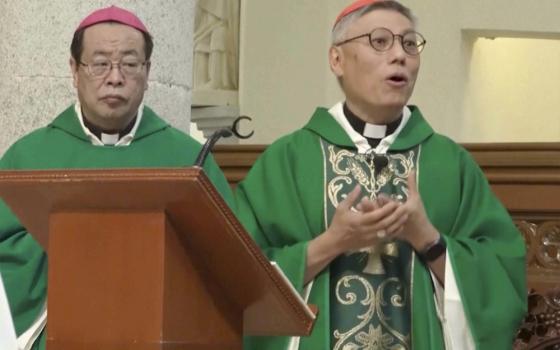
pixel 373 133
pixel 97 130
pixel 377 115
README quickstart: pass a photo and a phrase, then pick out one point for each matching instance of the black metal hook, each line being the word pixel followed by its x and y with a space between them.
pixel 235 127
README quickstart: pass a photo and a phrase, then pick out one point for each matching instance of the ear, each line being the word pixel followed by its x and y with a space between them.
pixel 335 61
pixel 74 68
pixel 148 66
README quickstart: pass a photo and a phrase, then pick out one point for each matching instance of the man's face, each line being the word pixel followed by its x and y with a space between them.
pixel 374 80
pixel 110 101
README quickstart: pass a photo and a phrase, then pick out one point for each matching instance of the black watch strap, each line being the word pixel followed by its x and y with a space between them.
pixel 434 250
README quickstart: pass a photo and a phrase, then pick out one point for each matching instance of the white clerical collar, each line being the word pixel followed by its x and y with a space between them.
pixel 109 139
pixel 337 111
pixel 374 131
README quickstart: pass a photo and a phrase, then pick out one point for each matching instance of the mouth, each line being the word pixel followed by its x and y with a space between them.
pixel 113 99
pixel 397 79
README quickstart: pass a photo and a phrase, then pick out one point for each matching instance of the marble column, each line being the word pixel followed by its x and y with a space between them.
pixel 35 78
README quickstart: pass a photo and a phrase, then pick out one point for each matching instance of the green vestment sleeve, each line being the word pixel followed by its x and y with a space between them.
pixel 488 257
pixel 272 209
pixel 282 212
pixel 486 251
pixel 24 269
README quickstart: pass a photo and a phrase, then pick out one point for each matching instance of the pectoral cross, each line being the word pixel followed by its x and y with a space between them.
pixel 374 266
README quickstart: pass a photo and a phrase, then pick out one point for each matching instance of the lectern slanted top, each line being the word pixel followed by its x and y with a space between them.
pixel 149 259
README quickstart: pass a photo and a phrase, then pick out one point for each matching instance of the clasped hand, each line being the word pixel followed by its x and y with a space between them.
pixel 364 223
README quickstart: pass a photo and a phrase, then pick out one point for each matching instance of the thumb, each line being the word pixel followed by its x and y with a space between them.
pixel 350 198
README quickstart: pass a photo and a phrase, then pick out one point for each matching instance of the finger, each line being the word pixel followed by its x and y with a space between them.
pixel 383 199
pixel 368 205
pixel 373 218
pixel 389 220
pixel 397 226
pixel 350 199
pixel 359 207
pixel 397 233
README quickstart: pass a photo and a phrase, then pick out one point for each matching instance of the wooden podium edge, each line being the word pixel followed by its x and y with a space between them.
pixel 257 253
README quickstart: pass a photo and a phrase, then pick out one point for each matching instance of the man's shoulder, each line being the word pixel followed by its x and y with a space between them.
pixel 305 135
pixel 296 150
pixel 36 141
pixel 175 135
pixel 63 117
pixel 35 137
pixel 155 124
pixel 419 121
pixel 68 114
pixel 446 149
pixel 444 141
pixel 297 141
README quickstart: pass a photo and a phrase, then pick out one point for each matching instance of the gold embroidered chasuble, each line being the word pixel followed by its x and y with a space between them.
pixel 370 288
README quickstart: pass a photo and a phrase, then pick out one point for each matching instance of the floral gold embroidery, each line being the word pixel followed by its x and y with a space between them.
pixel 370 306
pixel 365 335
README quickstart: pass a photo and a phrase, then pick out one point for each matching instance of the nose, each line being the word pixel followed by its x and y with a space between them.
pixel 397 51
pixel 115 76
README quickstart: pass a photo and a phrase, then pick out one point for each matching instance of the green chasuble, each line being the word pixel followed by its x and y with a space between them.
pixel 283 202
pixel 63 144
pixel 370 289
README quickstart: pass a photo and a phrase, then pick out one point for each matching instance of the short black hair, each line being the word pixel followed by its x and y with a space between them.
pixel 76 46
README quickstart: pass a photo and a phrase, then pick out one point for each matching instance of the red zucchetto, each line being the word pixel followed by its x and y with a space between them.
pixel 355 6
pixel 113 14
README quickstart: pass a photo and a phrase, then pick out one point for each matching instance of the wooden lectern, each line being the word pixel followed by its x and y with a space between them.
pixel 149 259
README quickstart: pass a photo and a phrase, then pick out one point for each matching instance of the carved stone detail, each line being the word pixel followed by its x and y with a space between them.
pixel 548 249
pixel 216 53
pixel 529 232
pixel 541 326
pixel 543 243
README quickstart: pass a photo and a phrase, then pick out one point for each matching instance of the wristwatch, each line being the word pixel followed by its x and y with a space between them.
pixel 434 250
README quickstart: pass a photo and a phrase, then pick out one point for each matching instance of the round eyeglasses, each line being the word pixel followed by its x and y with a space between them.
pixel 382 39
pixel 101 68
